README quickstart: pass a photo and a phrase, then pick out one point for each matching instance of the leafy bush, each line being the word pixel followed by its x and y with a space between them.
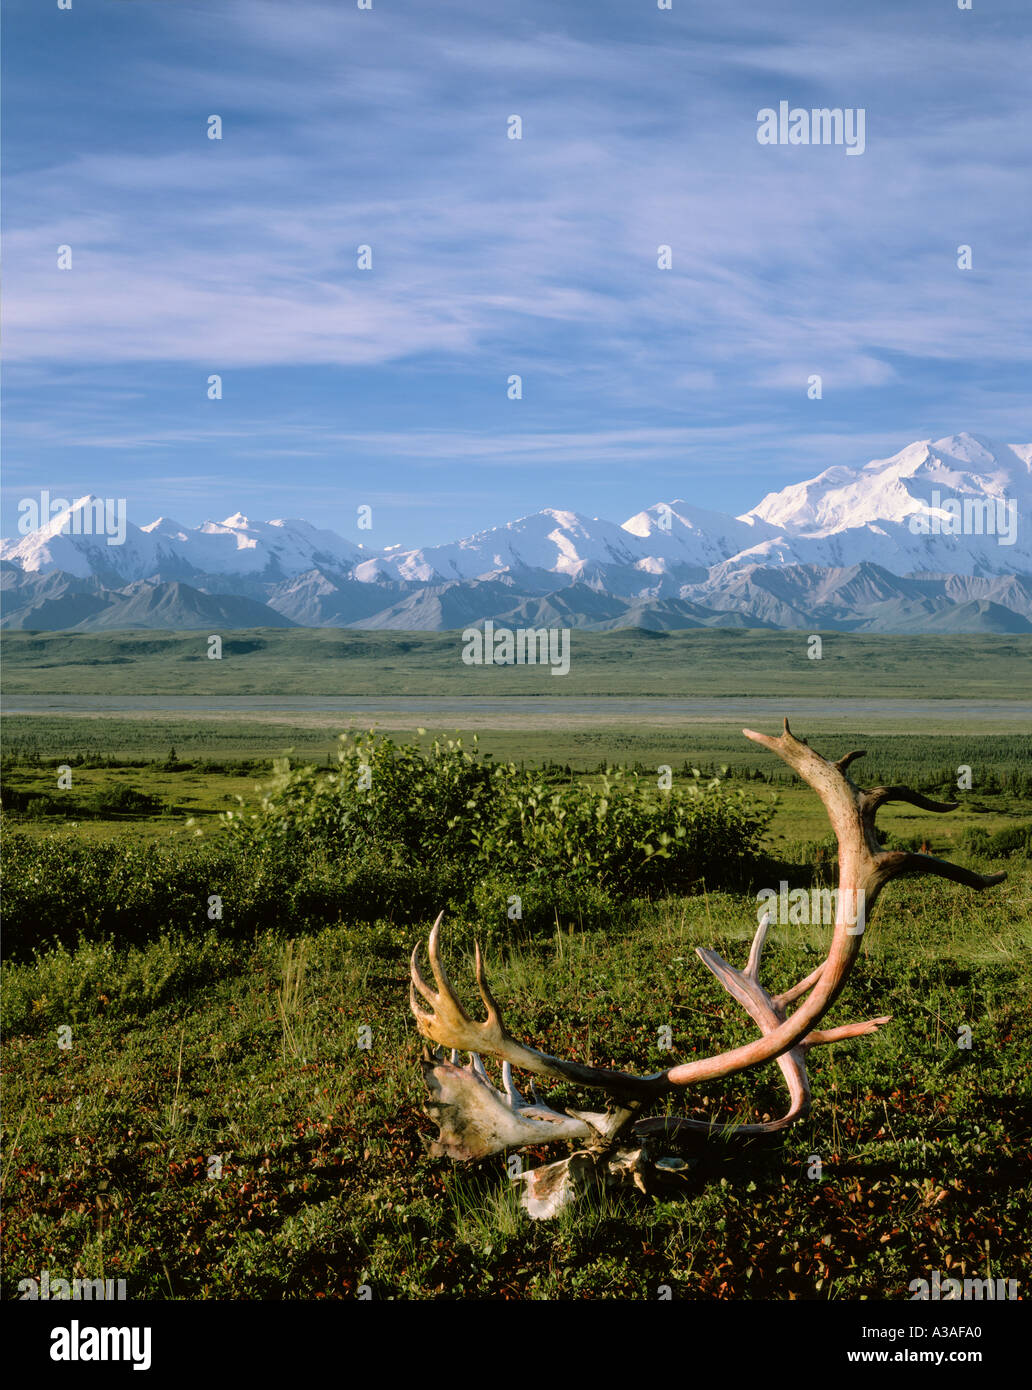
pixel 382 794
pixel 393 835
pixel 104 803
pixel 541 906
pixel 477 833
pixel 976 841
pixel 60 894
pixel 623 836
pixel 1012 839
pixel 57 892
pixel 32 803
pixel 121 801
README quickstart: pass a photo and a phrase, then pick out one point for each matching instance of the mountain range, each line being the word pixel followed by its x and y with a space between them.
pixel 932 539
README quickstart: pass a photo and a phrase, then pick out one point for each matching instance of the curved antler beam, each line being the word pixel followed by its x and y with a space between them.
pixel 476 1118
pixel 864 869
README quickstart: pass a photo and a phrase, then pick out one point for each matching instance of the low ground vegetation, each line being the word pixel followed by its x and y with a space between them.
pixel 212 1076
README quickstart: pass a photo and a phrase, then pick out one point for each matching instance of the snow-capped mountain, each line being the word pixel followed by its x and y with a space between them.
pixel 239 545
pixel 84 542
pixel 894 489
pixel 950 511
pixel 677 534
pixel 959 505
pixel 563 543
pixel 79 539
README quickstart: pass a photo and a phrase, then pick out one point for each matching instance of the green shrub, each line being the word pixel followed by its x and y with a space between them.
pixel 381 794
pixel 623 837
pixel 393 834
pixel 98 978
pixel 1012 839
pixel 121 801
pixel 104 802
pixel 448 812
pixel 541 907
pixel 32 803
pixel 975 840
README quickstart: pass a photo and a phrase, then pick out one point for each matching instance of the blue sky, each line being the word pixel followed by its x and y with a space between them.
pixel 492 256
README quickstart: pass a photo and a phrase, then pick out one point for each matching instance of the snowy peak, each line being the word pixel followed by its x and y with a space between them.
pixel 559 541
pixel 679 534
pixel 967 449
pixel 958 505
pixel 891 510
pixel 88 537
pixel 165 526
pixel 74 517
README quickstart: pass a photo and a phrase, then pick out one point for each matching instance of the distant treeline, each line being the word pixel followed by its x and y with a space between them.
pixel 999 763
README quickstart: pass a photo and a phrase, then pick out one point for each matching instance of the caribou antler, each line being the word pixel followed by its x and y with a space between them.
pixel 450 1026
pixel 864 870
pixel 477 1119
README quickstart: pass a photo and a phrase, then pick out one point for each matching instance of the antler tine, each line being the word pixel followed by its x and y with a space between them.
pixel 509 1086
pixel 450 1026
pixel 790 995
pixel 910 862
pixel 494 1017
pixel 878 796
pixel 446 1023
pixel 848 758
pixel 418 979
pixel 477 1067
pixel 752 969
pixel 437 966
pixel 847 1030
pixel 417 982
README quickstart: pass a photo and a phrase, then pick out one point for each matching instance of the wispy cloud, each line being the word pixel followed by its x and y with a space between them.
pixel 493 256
pixel 244 251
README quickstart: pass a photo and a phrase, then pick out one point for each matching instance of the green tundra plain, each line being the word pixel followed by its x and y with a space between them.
pixel 230 1105
pixel 635 663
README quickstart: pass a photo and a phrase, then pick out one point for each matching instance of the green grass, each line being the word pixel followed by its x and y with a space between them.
pixel 332 662
pixel 199 1048
pixel 187 797
pixel 206 783
pixel 906 746
pixel 241 1043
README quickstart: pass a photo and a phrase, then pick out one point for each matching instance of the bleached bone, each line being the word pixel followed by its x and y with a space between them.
pixel 476 1119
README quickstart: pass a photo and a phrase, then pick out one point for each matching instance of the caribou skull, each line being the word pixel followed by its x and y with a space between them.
pixel 476 1119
